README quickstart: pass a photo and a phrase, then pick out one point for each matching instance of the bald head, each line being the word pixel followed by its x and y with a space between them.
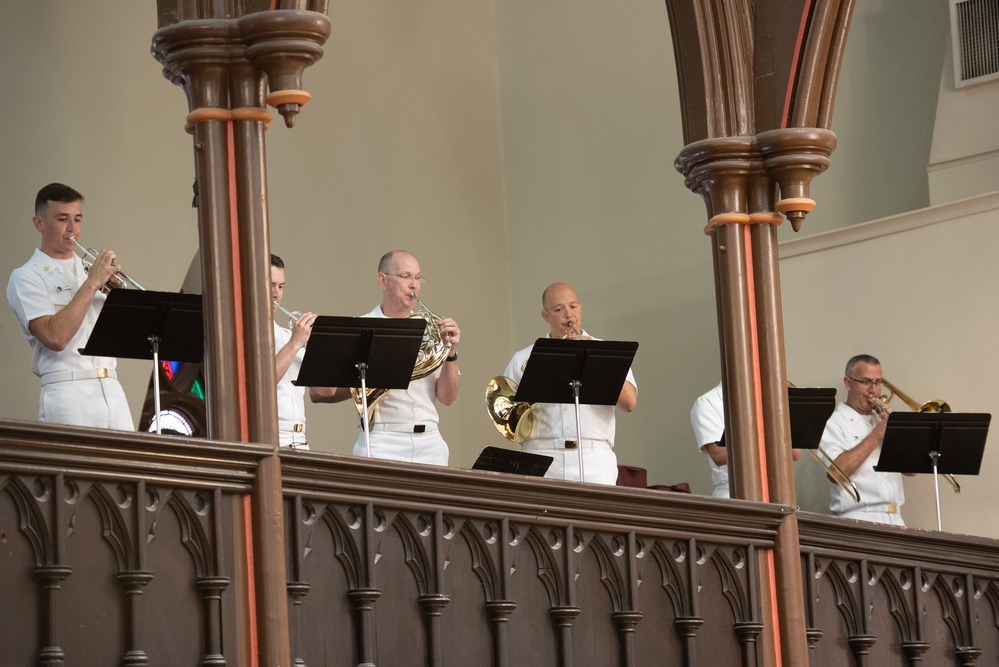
pixel 561 309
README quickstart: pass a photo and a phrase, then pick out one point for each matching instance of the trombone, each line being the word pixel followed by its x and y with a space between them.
pixel 89 256
pixel 880 403
pixel 833 471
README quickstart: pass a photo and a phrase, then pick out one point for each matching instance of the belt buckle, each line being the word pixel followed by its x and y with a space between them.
pixel 419 428
pixel 102 373
pixel 892 508
pixel 571 444
pixel 298 427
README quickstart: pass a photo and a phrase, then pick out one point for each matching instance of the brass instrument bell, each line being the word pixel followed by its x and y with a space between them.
pixel 513 419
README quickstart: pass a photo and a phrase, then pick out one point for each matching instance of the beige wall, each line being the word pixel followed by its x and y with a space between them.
pixel 508 143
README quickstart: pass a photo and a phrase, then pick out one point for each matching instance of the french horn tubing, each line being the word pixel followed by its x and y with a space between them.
pixel 435 348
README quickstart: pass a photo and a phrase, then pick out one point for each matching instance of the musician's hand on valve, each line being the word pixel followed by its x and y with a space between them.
pixel 103 271
pixel 302 330
pixel 449 329
pixel 879 405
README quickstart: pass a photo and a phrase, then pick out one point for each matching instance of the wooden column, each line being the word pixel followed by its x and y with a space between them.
pixel 756 132
pixel 230 67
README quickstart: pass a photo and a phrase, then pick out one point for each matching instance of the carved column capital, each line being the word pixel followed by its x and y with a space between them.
pixel 718 169
pixel 283 42
pixel 793 157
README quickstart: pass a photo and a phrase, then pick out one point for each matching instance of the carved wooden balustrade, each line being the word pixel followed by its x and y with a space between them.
pixel 122 548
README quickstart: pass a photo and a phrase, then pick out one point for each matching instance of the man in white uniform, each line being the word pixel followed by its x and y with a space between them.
pixel 707 416
pixel 852 438
pixel 57 303
pixel 404 422
pixel 554 430
pixel 290 346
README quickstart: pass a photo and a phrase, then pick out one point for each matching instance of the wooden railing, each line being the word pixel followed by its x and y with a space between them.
pixel 120 548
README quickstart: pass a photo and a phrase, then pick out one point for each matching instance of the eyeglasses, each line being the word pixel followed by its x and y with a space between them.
pixel 407 276
pixel 867 382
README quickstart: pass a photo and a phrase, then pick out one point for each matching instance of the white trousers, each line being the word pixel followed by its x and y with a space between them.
pixel 97 403
pixel 599 464
pixel 426 447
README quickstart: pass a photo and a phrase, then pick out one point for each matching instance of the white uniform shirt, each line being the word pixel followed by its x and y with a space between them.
pixel 72 392
pixel 290 398
pixel 554 423
pixel 844 430
pixel 43 286
pixel 707 416
pixel 397 414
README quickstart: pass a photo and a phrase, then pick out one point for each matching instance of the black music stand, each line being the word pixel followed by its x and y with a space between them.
pixel 809 409
pixel 942 443
pixel 498 459
pixel 139 324
pixel 353 351
pixel 582 372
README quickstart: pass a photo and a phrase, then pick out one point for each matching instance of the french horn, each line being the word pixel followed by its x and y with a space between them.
pixel 513 419
pixel 435 348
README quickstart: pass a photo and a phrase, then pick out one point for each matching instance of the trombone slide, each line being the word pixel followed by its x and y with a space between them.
pixel 835 473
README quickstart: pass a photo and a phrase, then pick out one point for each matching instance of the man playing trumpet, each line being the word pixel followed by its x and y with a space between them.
pixel 554 430
pixel 57 303
pixel 404 422
pixel 290 346
pixel 853 437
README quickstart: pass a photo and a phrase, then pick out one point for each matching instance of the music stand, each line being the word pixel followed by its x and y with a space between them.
pixel 809 409
pixel 353 351
pixel 587 372
pixel 948 443
pixel 139 324
pixel 498 459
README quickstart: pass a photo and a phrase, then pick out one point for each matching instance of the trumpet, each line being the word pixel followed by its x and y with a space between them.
pixel 880 404
pixel 120 279
pixel 293 315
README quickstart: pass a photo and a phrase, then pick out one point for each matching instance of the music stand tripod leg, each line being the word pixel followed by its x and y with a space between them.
pixel 579 434
pixel 935 456
pixel 365 423
pixel 154 342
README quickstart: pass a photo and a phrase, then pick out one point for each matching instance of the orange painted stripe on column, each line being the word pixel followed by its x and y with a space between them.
pixel 774 616
pixel 757 382
pixel 244 424
pixel 760 434
pixel 250 585
pixel 802 28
